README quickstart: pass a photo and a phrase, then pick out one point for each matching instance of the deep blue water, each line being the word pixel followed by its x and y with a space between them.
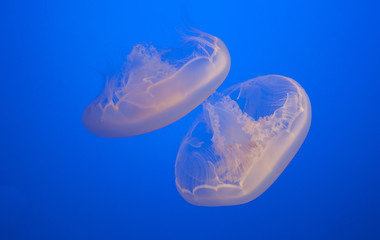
pixel 59 181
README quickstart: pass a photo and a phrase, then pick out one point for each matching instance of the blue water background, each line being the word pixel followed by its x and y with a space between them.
pixel 59 181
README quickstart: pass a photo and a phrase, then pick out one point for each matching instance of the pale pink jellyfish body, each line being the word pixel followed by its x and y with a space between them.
pixel 154 92
pixel 243 141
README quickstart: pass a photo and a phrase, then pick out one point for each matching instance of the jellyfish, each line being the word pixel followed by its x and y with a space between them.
pixel 153 92
pixel 243 140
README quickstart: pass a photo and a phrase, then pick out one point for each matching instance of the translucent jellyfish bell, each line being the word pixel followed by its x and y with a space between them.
pixel 243 141
pixel 154 92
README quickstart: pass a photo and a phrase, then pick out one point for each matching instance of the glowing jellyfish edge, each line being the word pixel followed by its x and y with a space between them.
pixel 276 155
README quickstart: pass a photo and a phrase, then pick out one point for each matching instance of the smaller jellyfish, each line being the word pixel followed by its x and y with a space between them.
pixel 242 141
pixel 153 92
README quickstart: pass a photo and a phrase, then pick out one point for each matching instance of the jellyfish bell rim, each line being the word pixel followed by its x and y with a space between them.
pixel 274 162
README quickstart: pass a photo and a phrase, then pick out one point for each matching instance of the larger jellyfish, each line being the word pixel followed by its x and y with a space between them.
pixel 243 141
pixel 154 92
